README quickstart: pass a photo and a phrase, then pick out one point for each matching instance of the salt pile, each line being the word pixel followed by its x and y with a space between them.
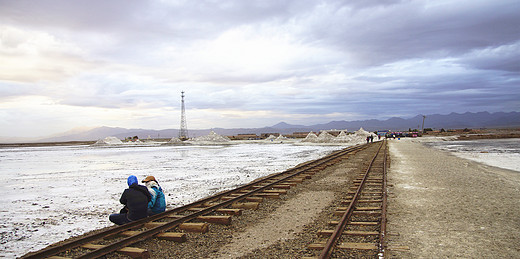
pixel 174 140
pixel 311 137
pixel 342 138
pixel 359 137
pixel 109 141
pixel 281 138
pixel 271 137
pixel 362 132
pixel 325 137
pixel 211 137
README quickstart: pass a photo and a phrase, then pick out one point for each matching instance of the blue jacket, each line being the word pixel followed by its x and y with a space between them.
pixel 158 202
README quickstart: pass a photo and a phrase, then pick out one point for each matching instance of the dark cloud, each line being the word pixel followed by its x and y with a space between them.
pixel 405 29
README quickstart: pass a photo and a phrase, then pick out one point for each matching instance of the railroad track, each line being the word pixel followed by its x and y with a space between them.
pixel 195 217
pixel 359 230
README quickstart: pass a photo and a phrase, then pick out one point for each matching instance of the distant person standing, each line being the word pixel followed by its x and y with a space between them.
pixel 158 202
pixel 368 139
pixel 135 199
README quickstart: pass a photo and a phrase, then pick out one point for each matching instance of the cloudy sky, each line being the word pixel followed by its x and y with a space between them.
pixel 86 63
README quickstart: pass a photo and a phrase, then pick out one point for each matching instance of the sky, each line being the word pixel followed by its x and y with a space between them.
pixel 243 64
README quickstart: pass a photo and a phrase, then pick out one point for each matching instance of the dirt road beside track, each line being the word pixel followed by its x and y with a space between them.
pixel 442 206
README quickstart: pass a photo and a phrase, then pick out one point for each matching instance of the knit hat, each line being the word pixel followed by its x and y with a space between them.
pixel 149 178
pixel 132 179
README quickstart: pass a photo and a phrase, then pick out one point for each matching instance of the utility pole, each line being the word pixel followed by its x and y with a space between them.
pixel 183 132
pixel 423 117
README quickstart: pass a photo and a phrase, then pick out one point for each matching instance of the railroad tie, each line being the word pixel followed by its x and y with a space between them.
pixel 133 252
pixel 251 199
pixel 329 232
pixel 268 195
pixel 172 236
pixel 359 246
pixel 357 223
pixel 222 220
pixel 187 226
pixel 246 205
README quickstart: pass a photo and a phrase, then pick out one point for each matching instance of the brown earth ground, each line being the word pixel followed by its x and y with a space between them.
pixel 442 206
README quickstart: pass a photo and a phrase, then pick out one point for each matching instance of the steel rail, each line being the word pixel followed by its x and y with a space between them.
pixel 382 234
pixel 147 234
pixel 331 242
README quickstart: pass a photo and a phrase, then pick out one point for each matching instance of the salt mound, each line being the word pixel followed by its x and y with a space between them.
pixel 362 132
pixel 343 138
pixel 281 138
pixel 271 137
pixel 342 134
pixel 311 137
pixel 175 140
pixel 212 137
pixel 109 141
pixel 325 137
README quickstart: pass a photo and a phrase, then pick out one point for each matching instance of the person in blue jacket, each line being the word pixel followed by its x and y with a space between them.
pixel 158 202
pixel 135 199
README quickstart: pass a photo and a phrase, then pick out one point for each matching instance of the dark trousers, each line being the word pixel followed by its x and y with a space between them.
pixel 119 218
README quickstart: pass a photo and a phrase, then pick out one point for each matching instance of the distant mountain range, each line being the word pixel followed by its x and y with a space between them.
pixel 435 121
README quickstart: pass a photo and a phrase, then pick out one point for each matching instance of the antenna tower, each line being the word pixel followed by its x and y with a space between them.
pixel 183 132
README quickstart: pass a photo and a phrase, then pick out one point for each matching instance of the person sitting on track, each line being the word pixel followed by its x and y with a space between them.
pixel 158 202
pixel 135 199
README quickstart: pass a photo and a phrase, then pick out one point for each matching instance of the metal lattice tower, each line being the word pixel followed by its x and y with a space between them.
pixel 183 132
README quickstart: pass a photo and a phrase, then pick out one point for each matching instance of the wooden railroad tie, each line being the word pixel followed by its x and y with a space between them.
pixel 362 201
pixel 369 181
pixel 278 186
pixel 275 191
pixel 357 212
pixel 172 236
pixel 329 232
pixel 358 246
pixel 133 252
pixel 360 208
pixel 187 226
pixel 357 223
pixel 268 195
pixel 235 211
pixel 246 205
pixel 295 180
pixel 251 199
pixel 351 192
